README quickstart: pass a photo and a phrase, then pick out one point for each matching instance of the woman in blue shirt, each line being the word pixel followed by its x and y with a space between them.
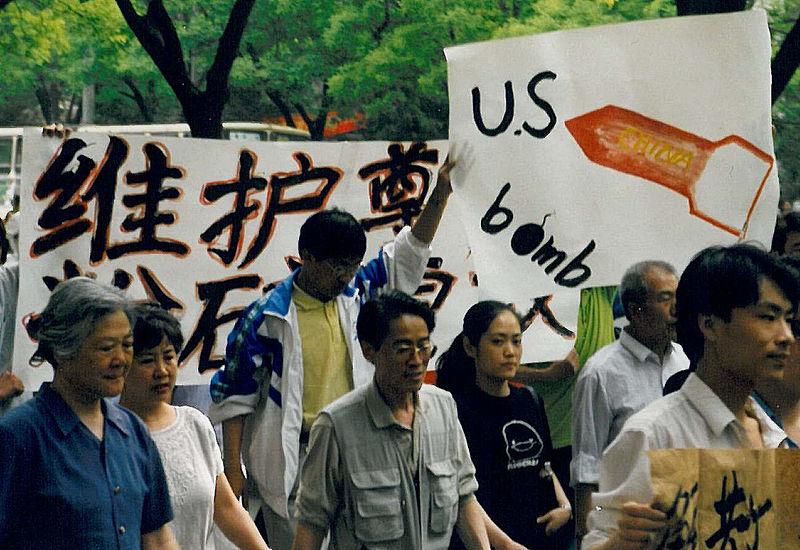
pixel 80 472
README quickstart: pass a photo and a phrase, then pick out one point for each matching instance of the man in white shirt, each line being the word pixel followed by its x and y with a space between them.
pixel 623 377
pixel 734 306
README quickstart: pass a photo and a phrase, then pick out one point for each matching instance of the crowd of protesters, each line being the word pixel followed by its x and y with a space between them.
pixel 331 438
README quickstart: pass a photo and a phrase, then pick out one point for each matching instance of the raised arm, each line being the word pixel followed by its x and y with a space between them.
pixel 427 222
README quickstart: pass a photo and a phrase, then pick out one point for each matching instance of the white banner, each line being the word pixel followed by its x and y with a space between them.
pixel 588 150
pixel 204 226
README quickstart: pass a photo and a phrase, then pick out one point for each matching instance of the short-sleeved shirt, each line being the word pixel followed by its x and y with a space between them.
pixel 617 381
pixel 192 462
pixel 509 443
pixel 379 484
pixel 62 488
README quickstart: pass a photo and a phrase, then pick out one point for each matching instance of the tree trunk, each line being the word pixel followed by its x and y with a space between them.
pixel 88 104
pixel 786 61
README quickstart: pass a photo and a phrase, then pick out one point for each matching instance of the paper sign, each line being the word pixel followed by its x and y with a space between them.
pixel 205 226
pixel 592 149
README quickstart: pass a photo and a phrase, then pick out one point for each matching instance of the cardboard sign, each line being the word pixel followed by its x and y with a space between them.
pixel 727 498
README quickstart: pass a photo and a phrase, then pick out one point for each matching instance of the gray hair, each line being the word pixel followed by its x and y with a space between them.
pixel 633 288
pixel 71 314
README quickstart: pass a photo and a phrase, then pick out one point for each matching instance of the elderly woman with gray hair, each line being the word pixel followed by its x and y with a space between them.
pixel 78 471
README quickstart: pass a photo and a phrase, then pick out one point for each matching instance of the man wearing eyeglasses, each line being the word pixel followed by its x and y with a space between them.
pixel 295 350
pixel 388 465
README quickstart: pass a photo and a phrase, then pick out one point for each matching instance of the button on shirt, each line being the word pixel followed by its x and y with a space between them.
pixel 617 381
pixel 62 488
pixel 692 417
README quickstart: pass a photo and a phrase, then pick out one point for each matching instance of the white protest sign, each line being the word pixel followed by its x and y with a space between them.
pixel 203 226
pixel 591 149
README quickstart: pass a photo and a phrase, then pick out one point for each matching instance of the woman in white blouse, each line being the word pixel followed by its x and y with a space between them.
pixel 200 494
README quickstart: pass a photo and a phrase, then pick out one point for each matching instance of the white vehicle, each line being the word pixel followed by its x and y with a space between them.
pixel 11 144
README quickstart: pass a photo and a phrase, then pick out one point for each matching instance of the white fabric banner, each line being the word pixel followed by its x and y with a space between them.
pixel 585 151
pixel 203 226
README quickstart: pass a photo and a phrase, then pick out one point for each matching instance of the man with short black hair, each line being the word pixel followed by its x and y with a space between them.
pixel 388 464
pixel 295 350
pixel 734 307
pixel 624 376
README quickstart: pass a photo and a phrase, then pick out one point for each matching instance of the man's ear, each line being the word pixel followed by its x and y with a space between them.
pixel 470 350
pixel 369 352
pixel 708 326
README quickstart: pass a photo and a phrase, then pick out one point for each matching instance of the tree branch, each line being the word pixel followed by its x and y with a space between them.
pixel 282 106
pixel 218 74
pixel 158 37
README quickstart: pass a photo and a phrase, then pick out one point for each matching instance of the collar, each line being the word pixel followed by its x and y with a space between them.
pixel 639 350
pixel 707 403
pixel 771 425
pixel 379 412
pixel 65 417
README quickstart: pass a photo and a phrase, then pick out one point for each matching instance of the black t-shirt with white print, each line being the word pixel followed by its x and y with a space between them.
pixel 509 442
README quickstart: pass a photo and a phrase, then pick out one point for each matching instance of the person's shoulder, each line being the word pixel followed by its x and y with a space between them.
pixel 125 418
pixel 23 419
pixel 432 392
pixel 659 415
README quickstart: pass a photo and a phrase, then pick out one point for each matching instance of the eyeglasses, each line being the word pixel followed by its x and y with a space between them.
pixel 340 268
pixel 404 352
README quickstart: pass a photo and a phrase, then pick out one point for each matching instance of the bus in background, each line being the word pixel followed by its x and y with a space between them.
pixel 11 145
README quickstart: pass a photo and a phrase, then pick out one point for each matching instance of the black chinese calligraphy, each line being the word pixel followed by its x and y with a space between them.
pixel 729 522
pixel 157 169
pixel 204 334
pixel 63 219
pixel 278 203
pixel 681 533
pixel 399 184
pixel 541 307
pixel 436 280
pixel 242 186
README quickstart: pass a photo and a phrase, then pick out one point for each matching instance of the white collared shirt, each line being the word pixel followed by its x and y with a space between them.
pixel 619 380
pixel 692 417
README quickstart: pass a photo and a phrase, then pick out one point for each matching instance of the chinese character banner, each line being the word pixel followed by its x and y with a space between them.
pixel 595 148
pixel 726 498
pixel 204 227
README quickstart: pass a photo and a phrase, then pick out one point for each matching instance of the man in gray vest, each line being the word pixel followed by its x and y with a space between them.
pixel 387 463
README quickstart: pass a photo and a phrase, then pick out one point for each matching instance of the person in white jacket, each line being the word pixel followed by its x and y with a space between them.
pixel 295 350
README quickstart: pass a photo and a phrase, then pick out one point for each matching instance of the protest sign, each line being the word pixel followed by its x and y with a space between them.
pixel 727 498
pixel 204 226
pixel 595 148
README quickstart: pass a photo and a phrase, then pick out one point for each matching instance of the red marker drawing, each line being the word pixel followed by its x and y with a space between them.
pixel 721 179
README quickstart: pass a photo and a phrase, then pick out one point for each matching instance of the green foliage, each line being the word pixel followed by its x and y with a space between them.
pixel 380 58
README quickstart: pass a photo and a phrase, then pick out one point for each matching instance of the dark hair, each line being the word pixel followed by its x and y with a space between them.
pixel 792 221
pixel 71 315
pixel 332 233
pixel 720 279
pixel 376 315
pixel 455 370
pixel 633 288
pixel 778 245
pixel 153 323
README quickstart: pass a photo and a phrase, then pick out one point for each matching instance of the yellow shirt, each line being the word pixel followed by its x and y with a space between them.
pixel 327 368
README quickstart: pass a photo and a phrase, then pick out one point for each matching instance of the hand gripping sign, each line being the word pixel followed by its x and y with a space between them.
pixel 688 164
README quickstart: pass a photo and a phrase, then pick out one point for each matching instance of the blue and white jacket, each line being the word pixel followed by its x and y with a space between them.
pixel 263 373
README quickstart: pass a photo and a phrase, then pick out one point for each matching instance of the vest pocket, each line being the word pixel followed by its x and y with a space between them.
pixel 378 514
pixel 444 495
